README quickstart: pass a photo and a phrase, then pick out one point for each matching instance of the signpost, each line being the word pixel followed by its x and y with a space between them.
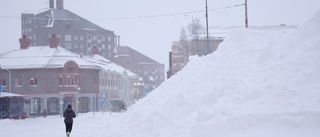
pixel 0 89
pixel 146 92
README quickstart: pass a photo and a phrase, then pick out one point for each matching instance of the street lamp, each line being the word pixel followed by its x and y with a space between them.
pixel 77 100
pixel 139 85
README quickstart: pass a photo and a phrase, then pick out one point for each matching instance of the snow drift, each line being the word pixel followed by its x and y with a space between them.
pixel 258 83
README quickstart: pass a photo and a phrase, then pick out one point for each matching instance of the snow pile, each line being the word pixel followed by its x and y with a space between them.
pixel 258 83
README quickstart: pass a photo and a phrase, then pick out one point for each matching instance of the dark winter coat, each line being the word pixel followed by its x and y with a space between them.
pixel 69 115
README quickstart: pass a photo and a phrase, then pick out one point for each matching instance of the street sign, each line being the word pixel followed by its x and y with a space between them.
pixel 101 103
pixel 146 91
pixel 0 89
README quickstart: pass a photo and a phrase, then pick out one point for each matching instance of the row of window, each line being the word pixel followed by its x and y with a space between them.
pixel 17 82
pixel 70 80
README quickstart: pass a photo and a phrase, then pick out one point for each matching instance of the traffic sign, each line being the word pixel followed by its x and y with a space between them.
pixel 0 89
pixel 146 91
pixel 101 103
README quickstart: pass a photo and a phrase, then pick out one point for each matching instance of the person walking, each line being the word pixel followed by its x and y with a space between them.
pixel 44 113
pixel 68 119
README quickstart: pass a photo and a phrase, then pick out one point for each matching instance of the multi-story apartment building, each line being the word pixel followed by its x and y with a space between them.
pixel 76 33
pixel 151 72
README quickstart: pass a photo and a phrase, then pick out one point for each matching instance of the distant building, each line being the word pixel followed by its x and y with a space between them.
pixel 181 50
pixel 76 33
pixel 52 77
pixel 151 73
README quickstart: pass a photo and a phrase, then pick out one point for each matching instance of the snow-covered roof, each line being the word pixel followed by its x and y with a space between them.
pixel 5 94
pixel 46 57
pixel 49 17
pixel 108 65
pixel 41 57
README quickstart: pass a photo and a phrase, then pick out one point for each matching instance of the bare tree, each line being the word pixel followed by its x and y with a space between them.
pixel 184 41
pixel 196 29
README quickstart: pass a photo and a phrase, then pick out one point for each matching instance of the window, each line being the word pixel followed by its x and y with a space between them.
pixel 3 82
pixel 33 82
pixel 75 37
pixel 67 37
pixel 81 37
pixel 17 82
pixel 70 80
pixel 75 46
pixel 89 37
pixel 60 80
pixel 109 38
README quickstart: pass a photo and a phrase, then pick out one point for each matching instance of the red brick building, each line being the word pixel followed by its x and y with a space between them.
pixel 52 77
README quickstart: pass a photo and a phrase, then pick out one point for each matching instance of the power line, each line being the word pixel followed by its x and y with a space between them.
pixel 150 16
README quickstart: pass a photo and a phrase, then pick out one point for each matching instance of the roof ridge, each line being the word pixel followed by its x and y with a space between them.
pixel 50 59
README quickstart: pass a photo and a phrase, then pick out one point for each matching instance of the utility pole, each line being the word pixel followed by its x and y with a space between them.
pixel 208 48
pixel 246 13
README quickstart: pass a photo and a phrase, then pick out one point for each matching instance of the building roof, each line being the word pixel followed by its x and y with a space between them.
pixel 5 94
pixel 107 65
pixel 49 17
pixel 125 51
pixel 41 57
pixel 46 57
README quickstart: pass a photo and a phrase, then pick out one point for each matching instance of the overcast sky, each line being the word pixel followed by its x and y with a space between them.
pixel 150 27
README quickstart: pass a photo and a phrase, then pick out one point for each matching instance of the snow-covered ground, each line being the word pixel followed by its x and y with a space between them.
pixel 257 84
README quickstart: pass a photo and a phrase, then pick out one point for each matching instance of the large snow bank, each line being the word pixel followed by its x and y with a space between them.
pixel 258 83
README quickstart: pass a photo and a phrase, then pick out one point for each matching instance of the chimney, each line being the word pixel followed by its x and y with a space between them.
pixel 59 4
pixel 54 41
pixel 24 42
pixel 51 4
pixel 94 50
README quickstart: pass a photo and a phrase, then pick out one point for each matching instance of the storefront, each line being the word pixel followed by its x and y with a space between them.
pixel 11 106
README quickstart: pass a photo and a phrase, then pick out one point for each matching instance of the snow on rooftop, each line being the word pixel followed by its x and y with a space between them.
pixel 108 65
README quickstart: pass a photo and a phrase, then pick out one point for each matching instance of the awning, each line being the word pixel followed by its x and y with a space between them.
pixel 5 94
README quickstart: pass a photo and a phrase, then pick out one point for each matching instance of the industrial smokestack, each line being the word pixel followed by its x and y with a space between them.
pixel 51 4
pixel 59 4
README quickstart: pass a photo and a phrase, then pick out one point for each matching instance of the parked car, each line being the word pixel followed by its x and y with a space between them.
pixel 118 105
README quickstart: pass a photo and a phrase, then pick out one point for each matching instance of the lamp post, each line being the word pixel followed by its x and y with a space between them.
pixel 77 100
pixel 139 85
